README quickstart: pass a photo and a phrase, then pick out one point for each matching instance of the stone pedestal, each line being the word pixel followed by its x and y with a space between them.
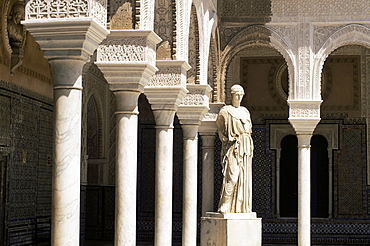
pixel 234 229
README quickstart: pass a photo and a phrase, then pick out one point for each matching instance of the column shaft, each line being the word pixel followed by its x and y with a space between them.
pixel 163 186
pixel 126 179
pixel 304 190
pixel 190 182
pixel 126 167
pixel 208 153
pixel 67 153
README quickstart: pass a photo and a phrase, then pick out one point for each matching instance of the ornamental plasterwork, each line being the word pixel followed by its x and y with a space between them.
pixel 196 97
pixel 305 110
pixel 121 14
pixel 146 15
pixel 166 76
pixel 44 9
pixel 193 53
pixel 163 21
pixel 124 49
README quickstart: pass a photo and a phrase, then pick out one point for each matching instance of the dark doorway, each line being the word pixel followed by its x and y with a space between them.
pixel 289 177
pixel 319 177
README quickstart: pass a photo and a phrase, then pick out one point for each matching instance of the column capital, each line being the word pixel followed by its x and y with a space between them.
pixel 69 38
pixel 195 104
pixel 170 73
pixel 166 89
pixel 304 116
pixel 208 125
pixel 127 59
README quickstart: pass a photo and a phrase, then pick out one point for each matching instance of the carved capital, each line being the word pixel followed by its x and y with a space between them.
pixel 127 59
pixel 208 125
pixel 46 9
pixel 194 105
pixel 124 46
pixel 304 115
pixel 165 98
pixel 73 38
pixel 170 73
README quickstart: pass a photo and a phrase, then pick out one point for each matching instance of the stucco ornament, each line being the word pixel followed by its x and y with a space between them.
pixel 235 129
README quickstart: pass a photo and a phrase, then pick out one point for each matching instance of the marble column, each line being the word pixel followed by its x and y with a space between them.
pixel 304 189
pixel 165 92
pixel 127 75
pixel 67 45
pixel 207 132
pixel 190 114
pixel 304 117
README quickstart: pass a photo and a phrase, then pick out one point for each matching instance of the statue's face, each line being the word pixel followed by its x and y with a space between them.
pixel 237 97
pixel 18 14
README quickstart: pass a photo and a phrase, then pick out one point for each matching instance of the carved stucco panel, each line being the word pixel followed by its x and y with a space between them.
pixel 121 49
pixel 166 76
pixel 195 97
pixel 45 9
pixel 147 15
pixel 305 111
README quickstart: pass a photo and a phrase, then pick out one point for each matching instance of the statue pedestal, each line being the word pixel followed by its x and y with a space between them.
pixel 232 229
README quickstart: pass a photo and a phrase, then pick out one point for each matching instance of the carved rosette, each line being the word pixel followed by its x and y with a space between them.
pixel 44 9
pixel 304 115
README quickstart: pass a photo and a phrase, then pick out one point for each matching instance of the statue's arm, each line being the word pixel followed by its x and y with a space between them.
pixel 221 126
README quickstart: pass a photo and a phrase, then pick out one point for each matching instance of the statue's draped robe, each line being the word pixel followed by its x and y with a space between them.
pixel 234 129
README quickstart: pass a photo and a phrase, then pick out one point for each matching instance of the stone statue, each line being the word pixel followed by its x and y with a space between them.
pixel 16 34
pixel 235 129
pixel 15 28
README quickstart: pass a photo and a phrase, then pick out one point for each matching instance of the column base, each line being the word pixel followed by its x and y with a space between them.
pixel 232 229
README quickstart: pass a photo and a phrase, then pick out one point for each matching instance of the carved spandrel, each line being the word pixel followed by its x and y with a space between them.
pixel 122 14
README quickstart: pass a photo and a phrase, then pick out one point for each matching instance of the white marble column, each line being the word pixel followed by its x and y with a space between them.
pixel 67 77
pixel 207 132
pixel 190 113
pixel 304 117
pixel 190 181
pixel 165 92
pixel 127 76
pixel 67 44
pixel 304 189
pixel 163 177
pixel 126 167
pixel 208 172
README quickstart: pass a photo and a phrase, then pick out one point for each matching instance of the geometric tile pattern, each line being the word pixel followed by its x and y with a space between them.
pixel 27 119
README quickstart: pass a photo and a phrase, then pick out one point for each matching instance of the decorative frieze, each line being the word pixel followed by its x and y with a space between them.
pixel 44 9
